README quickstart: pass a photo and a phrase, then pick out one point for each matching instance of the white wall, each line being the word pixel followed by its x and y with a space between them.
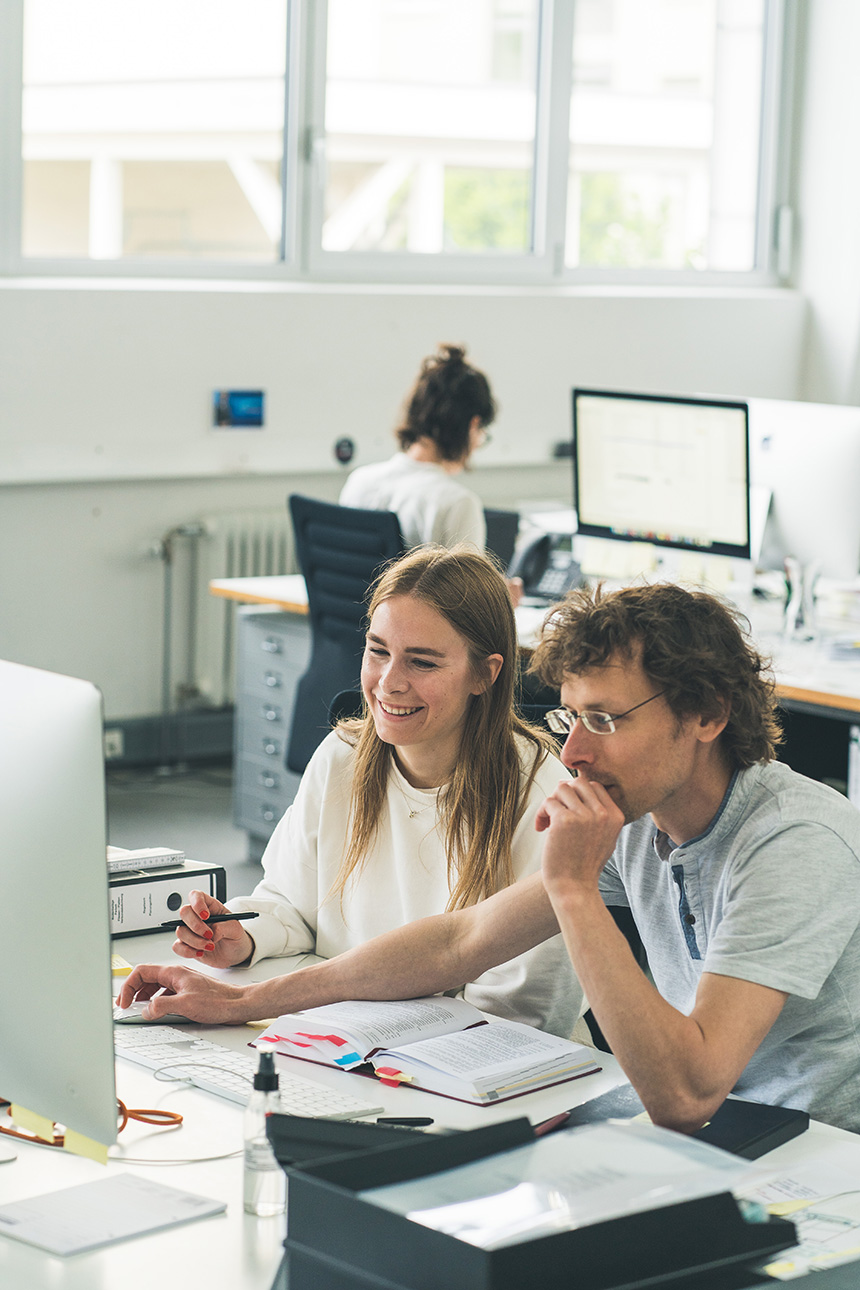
pixel 101 386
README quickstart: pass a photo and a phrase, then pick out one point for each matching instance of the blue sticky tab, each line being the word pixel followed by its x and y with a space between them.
pixel 348 1059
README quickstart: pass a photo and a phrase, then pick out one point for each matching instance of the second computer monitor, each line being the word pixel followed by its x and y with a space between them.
pixel 662 468
pixel 56 1050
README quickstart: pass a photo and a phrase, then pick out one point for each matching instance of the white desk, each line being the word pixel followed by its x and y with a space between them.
pixel 235 1251
pixel 805 672
pixel 808 679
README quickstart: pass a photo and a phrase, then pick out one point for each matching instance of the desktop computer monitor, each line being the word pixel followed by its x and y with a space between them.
pixel 668 470
pixel 56 1056
pixel 805 457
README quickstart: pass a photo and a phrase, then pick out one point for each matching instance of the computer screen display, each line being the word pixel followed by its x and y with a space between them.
pixel 669 470
pixel 56 1054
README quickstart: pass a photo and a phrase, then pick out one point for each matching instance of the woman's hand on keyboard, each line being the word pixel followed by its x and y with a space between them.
pixel 222 945
pixel 185 991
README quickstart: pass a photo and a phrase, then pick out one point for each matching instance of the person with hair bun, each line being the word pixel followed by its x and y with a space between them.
pixel 446 419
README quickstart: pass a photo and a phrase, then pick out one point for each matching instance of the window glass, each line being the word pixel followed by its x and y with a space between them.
pixel 430 125
pixel 153 129
pixel 664 134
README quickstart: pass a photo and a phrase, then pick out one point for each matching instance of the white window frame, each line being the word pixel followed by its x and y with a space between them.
pixel 301 255
pixel 529 267
pixel 283 267
pixel 772 256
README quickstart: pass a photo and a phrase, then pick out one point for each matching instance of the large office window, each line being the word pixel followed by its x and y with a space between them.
pixel 459 140
pixel 153 129
pixel 664 133
pixel 430 125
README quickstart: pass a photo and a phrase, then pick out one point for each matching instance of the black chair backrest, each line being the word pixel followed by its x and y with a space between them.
pixel 340 550
pixel 502 529
pixel 346 703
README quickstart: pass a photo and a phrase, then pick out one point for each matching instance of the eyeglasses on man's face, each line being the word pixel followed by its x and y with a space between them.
pixel 562 720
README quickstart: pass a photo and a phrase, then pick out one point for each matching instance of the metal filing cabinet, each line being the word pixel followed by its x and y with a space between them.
pixel 273 652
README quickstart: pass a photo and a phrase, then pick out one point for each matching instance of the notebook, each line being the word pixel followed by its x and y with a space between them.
pixel 748 1129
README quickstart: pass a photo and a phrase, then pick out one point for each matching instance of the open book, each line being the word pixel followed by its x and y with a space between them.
pixel 439 1045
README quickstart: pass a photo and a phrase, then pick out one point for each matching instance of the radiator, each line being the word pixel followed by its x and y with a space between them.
pixel 229 544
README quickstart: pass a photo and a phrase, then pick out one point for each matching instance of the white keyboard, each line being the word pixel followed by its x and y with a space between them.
pixel 229 1074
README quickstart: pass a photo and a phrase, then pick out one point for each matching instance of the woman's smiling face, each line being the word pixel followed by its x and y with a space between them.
pixel 418 681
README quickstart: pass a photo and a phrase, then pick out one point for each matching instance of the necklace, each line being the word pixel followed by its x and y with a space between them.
pixel 413 810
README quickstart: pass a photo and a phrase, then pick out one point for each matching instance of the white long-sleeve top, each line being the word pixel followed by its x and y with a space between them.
pixel 404 877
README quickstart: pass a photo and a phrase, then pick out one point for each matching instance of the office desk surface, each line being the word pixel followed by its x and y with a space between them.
pixel 805 672
pixel 286 591
pixel 235 1251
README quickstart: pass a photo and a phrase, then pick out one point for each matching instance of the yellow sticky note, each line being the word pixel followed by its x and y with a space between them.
pixel 119 966
pixel 33 1123
pixel 782 1207
pixel 82 1146
pixel 779 1269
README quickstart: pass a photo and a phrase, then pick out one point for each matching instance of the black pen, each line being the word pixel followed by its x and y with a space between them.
pixel 214 918
pixel 407 1121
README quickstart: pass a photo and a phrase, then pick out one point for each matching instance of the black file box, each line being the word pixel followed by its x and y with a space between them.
pixel 338 1241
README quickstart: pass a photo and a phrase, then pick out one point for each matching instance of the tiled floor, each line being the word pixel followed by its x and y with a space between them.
pixel 191 811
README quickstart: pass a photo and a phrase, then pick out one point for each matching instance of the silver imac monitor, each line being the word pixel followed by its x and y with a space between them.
pixel 664 469
pixel 806 458
pixel 56 1055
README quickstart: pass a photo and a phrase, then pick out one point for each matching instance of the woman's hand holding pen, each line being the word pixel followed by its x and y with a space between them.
pixel 222 945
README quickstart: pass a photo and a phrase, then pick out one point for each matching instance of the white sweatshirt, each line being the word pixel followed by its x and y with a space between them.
pixel 403 878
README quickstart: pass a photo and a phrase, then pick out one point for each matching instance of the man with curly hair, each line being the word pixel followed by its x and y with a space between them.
pixel 743 877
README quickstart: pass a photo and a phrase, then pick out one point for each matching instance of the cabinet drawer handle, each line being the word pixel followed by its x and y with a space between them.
pixel 271 747
pixel 272 680
pixel 268 780
pixel 271 645
pixel 273 714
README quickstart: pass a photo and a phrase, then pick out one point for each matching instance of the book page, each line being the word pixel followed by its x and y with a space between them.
pixel 490 1050
pixel 346 1033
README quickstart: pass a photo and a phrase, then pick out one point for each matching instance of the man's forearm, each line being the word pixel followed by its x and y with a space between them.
pixel 663 1053
pixel 422 958
pixel 406 963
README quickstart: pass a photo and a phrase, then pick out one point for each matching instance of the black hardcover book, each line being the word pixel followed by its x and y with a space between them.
pixel 747 1129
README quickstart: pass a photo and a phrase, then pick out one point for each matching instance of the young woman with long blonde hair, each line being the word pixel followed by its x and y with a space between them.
pixel 426 802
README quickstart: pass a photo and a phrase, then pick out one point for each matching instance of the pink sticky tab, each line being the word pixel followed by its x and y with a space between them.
pixel 325 1039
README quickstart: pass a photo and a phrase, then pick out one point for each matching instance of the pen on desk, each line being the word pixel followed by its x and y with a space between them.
pixel 554 1122
pixel 214 918
pixel 407 1121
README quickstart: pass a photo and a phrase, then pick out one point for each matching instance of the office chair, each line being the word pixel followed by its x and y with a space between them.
pixel 502 529
pixel 340 550
pixel 346 703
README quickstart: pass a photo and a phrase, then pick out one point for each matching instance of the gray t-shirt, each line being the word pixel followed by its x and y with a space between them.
pixel 770 893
